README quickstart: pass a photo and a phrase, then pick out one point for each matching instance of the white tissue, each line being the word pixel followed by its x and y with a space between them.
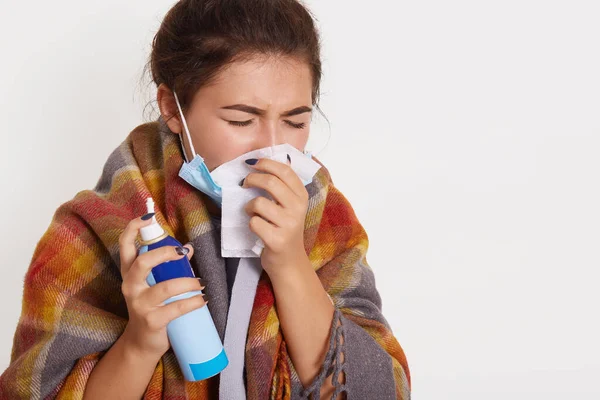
pixel 237 240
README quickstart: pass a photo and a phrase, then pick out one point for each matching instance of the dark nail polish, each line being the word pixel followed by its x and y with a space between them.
pixel 205 297
pixel 147 216
pixel 182 251
pixel 242 182
pixel 289 159
pixel 202 282
pixel 251 161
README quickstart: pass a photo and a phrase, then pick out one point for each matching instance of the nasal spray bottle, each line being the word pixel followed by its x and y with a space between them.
pixel 193 336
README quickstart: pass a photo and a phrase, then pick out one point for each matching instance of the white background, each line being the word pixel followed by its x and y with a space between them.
pixel 466 135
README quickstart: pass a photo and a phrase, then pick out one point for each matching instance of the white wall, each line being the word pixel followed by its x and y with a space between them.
pixel 466 134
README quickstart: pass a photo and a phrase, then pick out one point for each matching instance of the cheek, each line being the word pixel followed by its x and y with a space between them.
pixel 299 139
pixel 221 153
pixel 218 144
pixel 223 145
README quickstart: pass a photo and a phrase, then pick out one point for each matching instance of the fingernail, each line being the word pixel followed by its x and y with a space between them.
pixel 251 161
pixel 148 216
pixel 289 159
pixel 242 182
pixel 205 297
pixel 202 282
pixel 182 251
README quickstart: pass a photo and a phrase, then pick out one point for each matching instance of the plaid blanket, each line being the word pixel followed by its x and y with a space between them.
pixel 73 309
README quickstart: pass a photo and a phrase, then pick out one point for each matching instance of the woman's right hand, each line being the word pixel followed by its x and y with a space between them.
pixel 146 331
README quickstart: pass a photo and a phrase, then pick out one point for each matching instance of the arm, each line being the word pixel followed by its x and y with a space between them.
pixel 374 364
pixel 306 313
pixel 322 339
pixel 121 373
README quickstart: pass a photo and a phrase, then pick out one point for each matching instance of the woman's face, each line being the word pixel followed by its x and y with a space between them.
pixel 258 103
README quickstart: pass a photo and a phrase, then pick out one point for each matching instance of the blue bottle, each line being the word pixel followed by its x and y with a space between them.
pixel 193 336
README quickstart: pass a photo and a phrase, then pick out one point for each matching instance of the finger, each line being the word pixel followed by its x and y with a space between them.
pixel 266 209
pixel 159 293
pixel 284 172
pixel 127 249
pixel 263 229
pixel 191 253
pixel 161 316
pixel 279 191
pixel 144 263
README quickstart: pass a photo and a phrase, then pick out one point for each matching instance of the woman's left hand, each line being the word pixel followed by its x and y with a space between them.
pixel 278 222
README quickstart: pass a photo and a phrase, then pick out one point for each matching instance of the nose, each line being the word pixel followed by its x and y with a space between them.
pixel 270 134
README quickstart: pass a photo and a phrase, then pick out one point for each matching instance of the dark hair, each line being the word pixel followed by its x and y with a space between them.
pixel 198 38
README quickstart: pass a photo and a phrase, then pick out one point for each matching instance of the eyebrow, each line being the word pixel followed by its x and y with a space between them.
pixel 258 111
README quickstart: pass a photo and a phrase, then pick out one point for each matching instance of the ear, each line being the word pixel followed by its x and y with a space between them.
pixel 168 108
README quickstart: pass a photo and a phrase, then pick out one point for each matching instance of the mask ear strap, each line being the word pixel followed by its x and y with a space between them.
pixel 187 131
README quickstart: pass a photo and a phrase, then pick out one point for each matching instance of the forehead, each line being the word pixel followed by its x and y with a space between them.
pixel 262 81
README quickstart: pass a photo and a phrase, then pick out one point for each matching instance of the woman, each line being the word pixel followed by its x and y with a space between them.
pixel 245 74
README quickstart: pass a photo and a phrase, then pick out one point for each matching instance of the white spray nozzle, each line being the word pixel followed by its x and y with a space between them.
pixel 150 205
pixel 153 230
pixel 150 208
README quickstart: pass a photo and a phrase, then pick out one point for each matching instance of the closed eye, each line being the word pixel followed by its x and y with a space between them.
pixel 240 123
pixel 297 126
pixel 300 125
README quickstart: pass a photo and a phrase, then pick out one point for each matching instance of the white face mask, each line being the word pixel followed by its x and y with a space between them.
pixel 222 185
